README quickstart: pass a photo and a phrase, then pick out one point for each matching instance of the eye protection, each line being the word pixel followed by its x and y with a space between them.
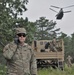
pixel 21 34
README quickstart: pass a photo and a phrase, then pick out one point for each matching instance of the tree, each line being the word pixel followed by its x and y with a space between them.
pixel 13 7
pixel 9 11
pixel 45 29
pixel 71 52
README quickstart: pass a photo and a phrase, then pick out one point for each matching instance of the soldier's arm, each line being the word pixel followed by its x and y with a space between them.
pixel 33 64
pixel 8 51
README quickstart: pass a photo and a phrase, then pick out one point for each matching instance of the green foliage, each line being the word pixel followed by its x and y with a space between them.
pixel 49 71
pixel 3 69
pixel 68 45
pixel 9 10
pixel 45 29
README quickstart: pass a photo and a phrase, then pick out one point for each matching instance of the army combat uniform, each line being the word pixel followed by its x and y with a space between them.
pixel 69 63
pixel 20 59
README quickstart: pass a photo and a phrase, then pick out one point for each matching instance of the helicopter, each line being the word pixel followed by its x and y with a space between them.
pixel 60 14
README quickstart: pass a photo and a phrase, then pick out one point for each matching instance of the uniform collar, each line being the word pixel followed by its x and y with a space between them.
pixel 25 44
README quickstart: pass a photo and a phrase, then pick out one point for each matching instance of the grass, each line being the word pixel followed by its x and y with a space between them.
pixel 51 71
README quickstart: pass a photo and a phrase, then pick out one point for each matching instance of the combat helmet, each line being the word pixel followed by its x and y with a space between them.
pixel 20 30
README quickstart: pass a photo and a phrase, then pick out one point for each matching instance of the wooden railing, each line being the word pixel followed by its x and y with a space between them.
pixel 49 55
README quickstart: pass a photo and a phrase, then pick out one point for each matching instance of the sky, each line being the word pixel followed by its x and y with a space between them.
pixel 40 8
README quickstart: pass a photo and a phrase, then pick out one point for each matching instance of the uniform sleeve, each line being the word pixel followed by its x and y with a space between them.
pixel 8 51
pixel 33 64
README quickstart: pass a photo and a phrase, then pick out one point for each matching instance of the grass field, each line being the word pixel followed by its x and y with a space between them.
pixel 50 71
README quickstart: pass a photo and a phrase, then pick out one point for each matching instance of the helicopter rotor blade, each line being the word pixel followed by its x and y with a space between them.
pixel 67 11
pixel 53 10
pixel 55 6
pixel 69 6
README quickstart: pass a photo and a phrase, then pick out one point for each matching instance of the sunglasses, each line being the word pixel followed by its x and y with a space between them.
pixel 21 34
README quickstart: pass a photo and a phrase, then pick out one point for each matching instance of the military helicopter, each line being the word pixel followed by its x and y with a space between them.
pixel 60 14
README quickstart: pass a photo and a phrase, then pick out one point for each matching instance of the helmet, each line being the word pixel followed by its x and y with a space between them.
pixel 20 30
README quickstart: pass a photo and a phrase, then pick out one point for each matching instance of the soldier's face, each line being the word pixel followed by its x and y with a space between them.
pixel 21 37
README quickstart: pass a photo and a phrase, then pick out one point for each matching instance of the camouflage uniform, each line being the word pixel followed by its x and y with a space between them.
pixel 20 59
pixel 69 58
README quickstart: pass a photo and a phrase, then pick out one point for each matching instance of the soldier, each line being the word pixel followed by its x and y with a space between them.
pixel 69 59
pixel 19 55
pixel 53 44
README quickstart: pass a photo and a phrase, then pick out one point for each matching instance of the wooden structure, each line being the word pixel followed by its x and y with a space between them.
pixel 51 56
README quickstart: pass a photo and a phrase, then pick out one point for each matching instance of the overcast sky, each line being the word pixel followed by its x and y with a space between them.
pixel 40 8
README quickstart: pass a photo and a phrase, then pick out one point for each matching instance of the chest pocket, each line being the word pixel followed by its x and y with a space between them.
pixel 26 54
pixel 23 53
